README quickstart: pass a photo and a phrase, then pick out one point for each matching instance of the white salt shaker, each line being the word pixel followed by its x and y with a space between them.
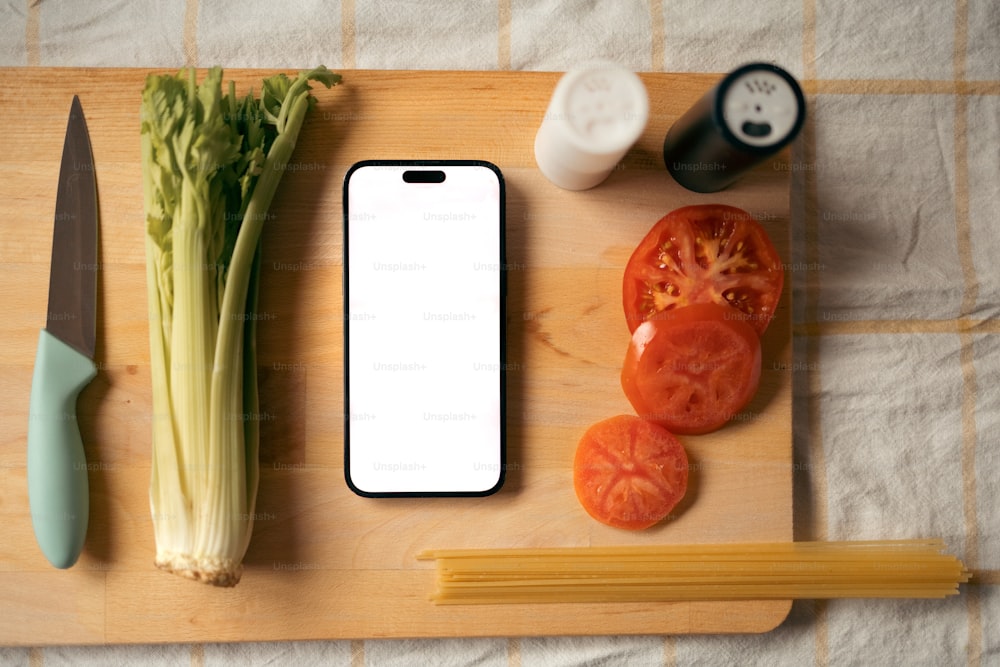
pixel 597 112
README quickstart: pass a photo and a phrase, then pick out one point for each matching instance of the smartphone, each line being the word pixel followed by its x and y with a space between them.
pixel 424 319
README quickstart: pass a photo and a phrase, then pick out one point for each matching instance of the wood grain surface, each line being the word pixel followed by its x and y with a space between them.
pixel 324 563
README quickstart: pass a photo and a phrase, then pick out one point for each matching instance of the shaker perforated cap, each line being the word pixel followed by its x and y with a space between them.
pixel 597 112
pixel 761 107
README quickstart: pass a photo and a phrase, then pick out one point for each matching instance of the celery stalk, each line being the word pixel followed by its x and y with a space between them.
pixel 211 165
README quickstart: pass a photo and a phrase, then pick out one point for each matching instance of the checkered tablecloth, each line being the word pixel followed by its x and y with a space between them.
pixel 896 286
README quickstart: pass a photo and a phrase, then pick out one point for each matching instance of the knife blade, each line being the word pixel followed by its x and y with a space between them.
pixel 58 492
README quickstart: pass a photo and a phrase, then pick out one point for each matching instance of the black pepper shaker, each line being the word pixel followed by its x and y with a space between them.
pixel 754 112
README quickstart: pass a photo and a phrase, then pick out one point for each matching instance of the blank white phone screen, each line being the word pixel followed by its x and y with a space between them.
pixel 423 295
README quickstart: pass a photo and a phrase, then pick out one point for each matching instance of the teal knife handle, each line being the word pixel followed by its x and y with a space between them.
pixel 57 467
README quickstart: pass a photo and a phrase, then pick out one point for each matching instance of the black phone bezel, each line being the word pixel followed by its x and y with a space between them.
pixel 501 476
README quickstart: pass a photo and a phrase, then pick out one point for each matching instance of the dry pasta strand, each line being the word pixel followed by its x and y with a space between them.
pixel 751 571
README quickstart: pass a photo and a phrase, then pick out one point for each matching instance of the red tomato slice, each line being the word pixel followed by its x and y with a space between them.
pixel 629 473
pixel 692 369
pixel 707 253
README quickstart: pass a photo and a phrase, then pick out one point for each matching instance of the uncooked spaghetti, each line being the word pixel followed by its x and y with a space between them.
pixel 754 571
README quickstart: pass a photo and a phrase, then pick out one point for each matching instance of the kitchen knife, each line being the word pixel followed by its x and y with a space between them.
pixel 57 467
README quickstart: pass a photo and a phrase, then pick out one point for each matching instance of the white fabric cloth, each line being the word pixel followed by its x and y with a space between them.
pixel 896 190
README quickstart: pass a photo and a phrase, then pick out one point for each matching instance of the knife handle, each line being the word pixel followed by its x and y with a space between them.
pixel 58 490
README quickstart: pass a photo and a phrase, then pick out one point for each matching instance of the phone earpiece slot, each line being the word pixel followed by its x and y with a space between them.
pixel 423 176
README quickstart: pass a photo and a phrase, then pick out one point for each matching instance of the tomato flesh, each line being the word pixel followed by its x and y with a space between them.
pixel 629 473
pixel 692 369
pixel 707 253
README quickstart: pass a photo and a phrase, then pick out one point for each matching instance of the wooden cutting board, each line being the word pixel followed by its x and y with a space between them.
pixel 323 562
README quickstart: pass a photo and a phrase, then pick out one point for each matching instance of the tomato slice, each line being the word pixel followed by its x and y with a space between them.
pixel 708 253
pixel 692 369
pixel 629 473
